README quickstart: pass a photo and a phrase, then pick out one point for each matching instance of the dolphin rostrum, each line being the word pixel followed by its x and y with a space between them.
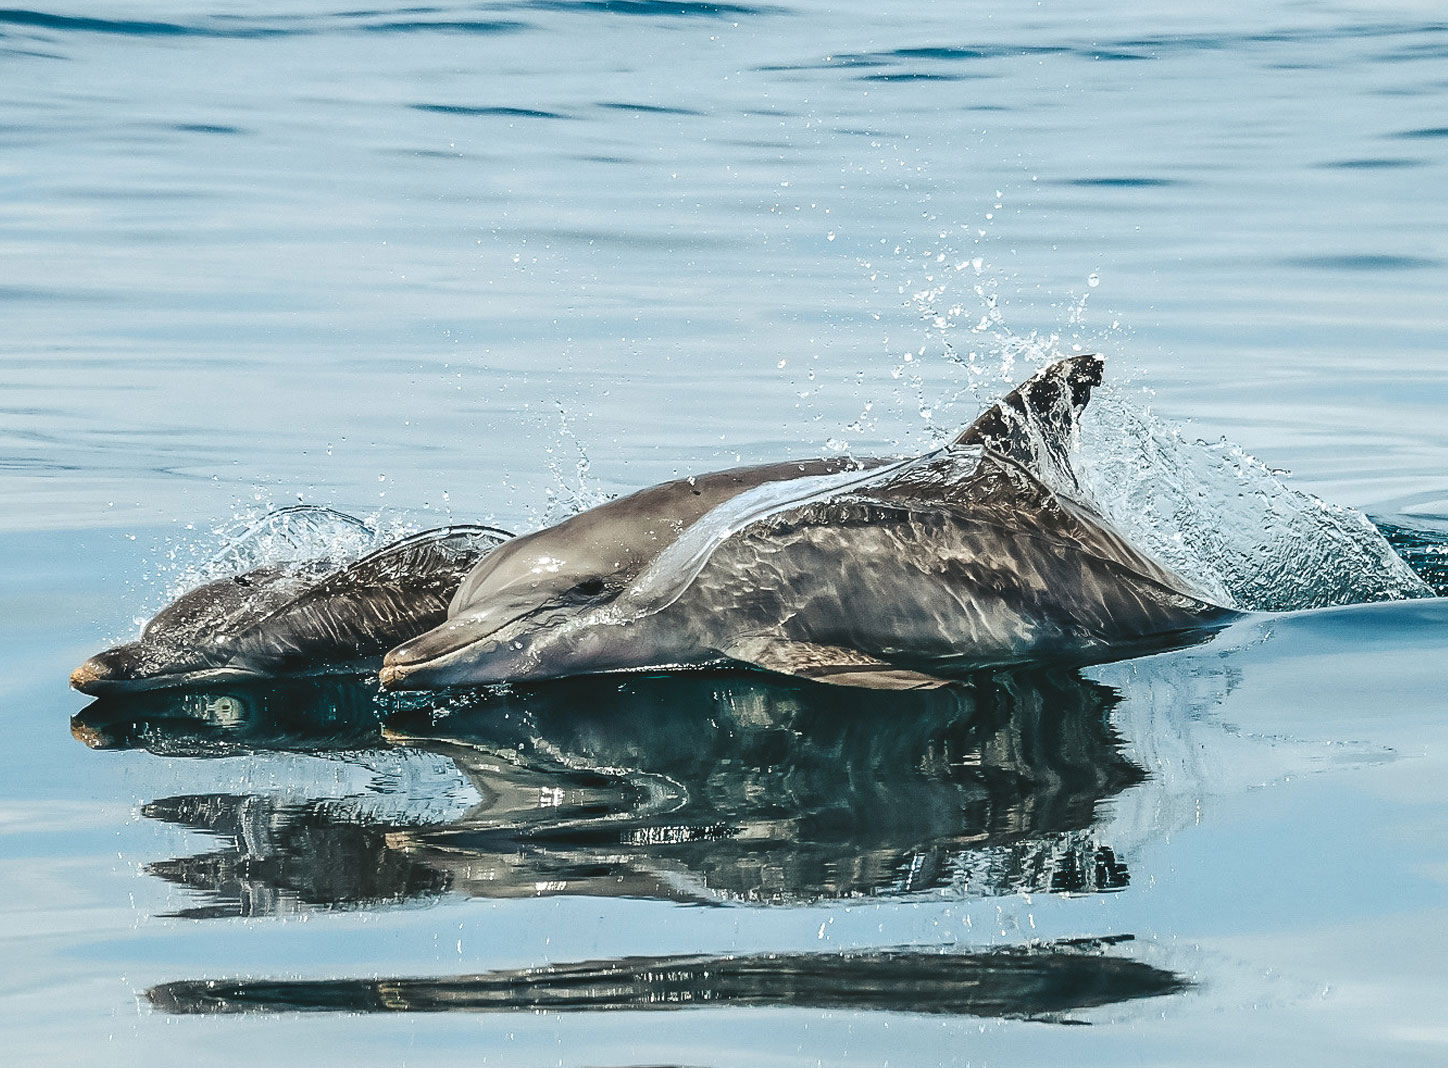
pixel 879 573
pixel 276 620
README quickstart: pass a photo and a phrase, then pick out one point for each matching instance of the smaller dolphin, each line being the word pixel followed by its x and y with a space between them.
pixel 313 618
pixel 879 573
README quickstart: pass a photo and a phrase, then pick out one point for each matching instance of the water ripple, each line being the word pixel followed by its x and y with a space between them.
pixel 1427 133
pixel 1372 164
pixel 1123 183
pixel 665 8
pixel 506 112
pixel 249 28
pixel 1365 262
pixel 646 109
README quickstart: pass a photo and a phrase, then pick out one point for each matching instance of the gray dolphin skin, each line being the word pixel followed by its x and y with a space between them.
pixel 315 617
pixel 872 573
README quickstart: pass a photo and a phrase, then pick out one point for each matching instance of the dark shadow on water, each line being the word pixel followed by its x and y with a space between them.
pixel 709 788
pixel 1042 982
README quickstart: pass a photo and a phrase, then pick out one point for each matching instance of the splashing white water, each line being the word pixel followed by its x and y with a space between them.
pixel 296 537
pixel 1217 516
pixel 1222 520
pixel 289 535
pixel 573 492
pixel 1209 511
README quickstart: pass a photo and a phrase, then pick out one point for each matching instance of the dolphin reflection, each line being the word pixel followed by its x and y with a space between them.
pixel 1043 981
pixel 697 787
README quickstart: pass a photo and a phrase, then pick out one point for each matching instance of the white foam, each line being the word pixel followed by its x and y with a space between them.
pixel 1225 522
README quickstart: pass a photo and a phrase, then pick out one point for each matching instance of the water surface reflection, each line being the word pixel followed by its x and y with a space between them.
pixel 708 788
pixel 1034 982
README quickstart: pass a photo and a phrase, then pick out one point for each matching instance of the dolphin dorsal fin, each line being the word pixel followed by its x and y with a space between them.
pixel 1035 423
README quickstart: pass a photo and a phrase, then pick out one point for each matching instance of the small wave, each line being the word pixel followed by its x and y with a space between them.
pixel 1380 163
pixel 1134 50
pixel 647 109
pixel 917 76
pixel 1426 133
pixel 208 128
pixel 1123 183
pixel 127 27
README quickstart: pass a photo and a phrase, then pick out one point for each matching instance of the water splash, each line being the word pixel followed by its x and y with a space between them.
pixel 1223 520
pixel 572 491
pixel 1211 512
pixel 295 538
pixel 1423 542
pixel 290 535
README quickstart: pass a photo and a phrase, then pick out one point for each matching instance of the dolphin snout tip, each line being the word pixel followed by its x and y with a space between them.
pixel 87 735
pixel 391 676
pixel 395 666
pixel 86 677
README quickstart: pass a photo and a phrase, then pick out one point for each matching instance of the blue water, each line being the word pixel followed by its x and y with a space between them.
pixel 491 261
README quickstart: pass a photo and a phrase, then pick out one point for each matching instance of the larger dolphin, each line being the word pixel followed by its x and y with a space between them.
pixel 876 572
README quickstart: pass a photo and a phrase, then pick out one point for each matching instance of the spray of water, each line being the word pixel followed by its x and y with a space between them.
pixel 1226 522
pixel 1208 510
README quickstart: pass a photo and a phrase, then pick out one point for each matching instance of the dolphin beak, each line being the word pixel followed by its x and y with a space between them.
pixel 115 669
pixel 85 677
pixel 399 672
pixel 391 676
pixel 444 656
pixel 87 735
pixel 118 668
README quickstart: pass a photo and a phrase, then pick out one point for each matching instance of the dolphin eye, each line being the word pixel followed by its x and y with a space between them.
pixel 589 587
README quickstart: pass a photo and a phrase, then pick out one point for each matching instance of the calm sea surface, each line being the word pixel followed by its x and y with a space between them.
pixel 490 261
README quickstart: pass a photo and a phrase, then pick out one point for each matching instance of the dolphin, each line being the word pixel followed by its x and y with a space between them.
pixel 875 572
pixel 276 620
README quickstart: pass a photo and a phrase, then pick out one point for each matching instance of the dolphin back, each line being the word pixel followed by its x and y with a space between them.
pixel 982 552
pixel 314 616
pixel 368 607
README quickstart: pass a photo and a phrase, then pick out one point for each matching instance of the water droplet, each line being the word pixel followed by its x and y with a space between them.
pixel 1094 280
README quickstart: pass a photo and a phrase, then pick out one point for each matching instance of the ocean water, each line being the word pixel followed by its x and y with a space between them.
pixel 490 262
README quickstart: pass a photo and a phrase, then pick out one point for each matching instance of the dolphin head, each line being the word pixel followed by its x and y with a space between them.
pixel 566 600
pixel 543 604
pixel 189 640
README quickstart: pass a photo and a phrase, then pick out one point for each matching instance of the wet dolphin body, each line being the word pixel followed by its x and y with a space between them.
pixel 282 620
pixel 874 573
